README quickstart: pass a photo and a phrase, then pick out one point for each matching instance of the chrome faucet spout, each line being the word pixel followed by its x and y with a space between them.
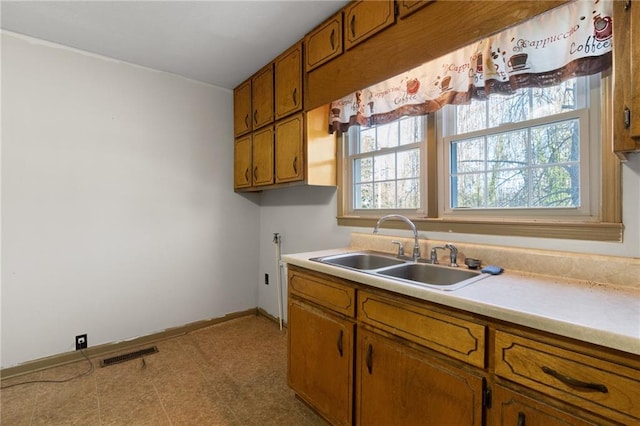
pixel 416 246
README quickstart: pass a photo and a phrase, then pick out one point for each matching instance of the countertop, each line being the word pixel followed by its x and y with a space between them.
pixel 602 315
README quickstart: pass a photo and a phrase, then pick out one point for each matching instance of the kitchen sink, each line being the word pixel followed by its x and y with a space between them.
pixel 361 260
pixel 433 275
pixel 403 270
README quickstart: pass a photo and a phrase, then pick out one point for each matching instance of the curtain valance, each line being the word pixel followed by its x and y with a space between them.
pixel 569 41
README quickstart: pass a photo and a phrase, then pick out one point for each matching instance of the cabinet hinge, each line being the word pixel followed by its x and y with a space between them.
pixel 486 397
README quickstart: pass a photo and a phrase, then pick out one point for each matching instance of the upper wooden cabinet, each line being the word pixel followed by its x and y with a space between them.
pixel 242 108
pixel 407 7
pixel 288 82
pixel 289 149
pixel 324 43
pixel 262 97
pixel 262 157
pixel 362 19
pixel 242 163
pixel 626 104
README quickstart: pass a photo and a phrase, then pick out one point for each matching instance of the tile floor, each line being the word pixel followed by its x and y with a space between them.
pixel 233 373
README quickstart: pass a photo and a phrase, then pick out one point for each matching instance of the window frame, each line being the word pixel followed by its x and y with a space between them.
pixel 608 227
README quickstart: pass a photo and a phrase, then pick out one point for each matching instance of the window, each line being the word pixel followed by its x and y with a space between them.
pixel 526 154
pixel 384 165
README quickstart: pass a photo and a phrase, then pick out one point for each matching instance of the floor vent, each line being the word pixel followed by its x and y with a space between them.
pixel 128 356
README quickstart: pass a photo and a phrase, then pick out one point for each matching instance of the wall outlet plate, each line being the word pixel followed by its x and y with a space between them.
pixel 81 342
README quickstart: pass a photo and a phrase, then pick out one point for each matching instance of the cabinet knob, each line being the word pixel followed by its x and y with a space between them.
pixel 255 174
pixel 294 95
pixel 340 347
pixel 332 39
pixel 352 25
pixel 246 174
pixel 522 419
pixel 255 116
pixel 246 121
pixel 295 164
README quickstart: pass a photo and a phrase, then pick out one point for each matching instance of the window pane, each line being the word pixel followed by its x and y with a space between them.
pixel 556 143
pixel 409 194
pixel 384 167
pixel 387 135
pixel 367 141
pixel 471 117
pixel 363 196
pixel 556 99
pixel 556 186
pixel 507 188
pixel 468 191
pixel 409 164
pixel 385 195
pixel 467 156
pixel 509 109
pixel 411 130
pixel 507 150
pixel 363 170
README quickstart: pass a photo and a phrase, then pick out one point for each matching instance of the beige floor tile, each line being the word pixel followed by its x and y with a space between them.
pixel 229 374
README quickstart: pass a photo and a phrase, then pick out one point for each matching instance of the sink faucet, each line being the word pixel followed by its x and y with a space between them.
pixel 453 254
pixel 416 246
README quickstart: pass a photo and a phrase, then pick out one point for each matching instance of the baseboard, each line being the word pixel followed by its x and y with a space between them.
pixel 107 348
pixel 271 317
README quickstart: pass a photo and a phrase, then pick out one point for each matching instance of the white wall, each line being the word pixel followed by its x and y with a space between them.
pixel 118 213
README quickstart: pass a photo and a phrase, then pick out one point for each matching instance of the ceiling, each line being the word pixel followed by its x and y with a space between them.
pixel 217 42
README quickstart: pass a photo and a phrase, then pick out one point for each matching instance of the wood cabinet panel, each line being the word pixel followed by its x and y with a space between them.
pixel 320 360
pixel 325 292
pixel 263 157
pixel 626 91
pixel 289 149
pixel 407 7
pixel 400 386
pixel 262 97
pixel 242 108
pixel 604 387
pixel 363 19
pixel 324 43
pixel 516 409
pixel 288 82
pixel 458 338
pixel 242 169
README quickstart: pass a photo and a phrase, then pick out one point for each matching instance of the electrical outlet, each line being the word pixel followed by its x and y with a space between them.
pixel 266 279
pixel 81 342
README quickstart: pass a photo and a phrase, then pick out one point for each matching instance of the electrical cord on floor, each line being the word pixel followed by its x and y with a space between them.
pixel 86 373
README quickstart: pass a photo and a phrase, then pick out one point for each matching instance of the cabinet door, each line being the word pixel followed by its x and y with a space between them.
pixel 242 108
pixel 242 163
pixel 289 149
pixel 263 157
pixel 514 409
pixel 320 364
pixel 399 386
pixel 407 7
pixel 324 43
pixel 262 97
pixel 626 91
pixel 363 19
pixel 288 86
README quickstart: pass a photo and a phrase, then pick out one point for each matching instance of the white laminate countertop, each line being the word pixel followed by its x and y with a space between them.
pixel 602 315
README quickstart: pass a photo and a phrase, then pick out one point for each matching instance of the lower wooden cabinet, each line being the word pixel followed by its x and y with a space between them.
pixel 397 385
pixel 320 367
pixel 514 409
pixel 364 356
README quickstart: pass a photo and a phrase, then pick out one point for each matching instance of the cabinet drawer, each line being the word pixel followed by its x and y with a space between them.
pixel 328 293
pixel 458 338
pixel 586 381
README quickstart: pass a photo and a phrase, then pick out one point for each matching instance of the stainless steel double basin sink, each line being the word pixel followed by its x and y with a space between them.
pixel 406 271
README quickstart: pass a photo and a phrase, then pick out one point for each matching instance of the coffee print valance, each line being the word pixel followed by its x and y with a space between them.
pixel 570 41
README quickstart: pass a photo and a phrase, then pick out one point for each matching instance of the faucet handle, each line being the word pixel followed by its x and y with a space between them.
pixel 400 247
